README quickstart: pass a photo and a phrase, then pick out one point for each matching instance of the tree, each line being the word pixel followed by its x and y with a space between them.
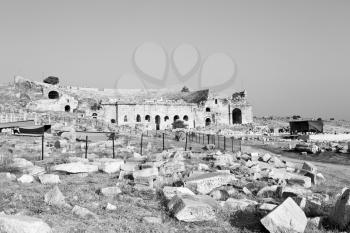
pixel 185 89
pixel 52 80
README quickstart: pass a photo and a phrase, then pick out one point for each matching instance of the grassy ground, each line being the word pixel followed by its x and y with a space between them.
pixel 133 205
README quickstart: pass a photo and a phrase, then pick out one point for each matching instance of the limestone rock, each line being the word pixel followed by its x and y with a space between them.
pixel 287 217
pixel 55 198
pixel 309 167
pixel 83 212
pixel 170 192
pixel 266 157
pixel 109 165
pixel 110 207
pixel 234 205
pixel 25 179
pixel 267 207
pixel 340 214
pixel 20 163
pixel 75 168
pixel 152 220
pixel 49 179
pixel 145 174
pixel 192 208
pixel 219 195
pixel 205 183
pixel 110 191
pixel 22 224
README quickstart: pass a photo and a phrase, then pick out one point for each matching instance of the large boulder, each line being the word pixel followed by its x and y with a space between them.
pixel 25 179
pixel 205 183
pixel 190 208
pixel 75 168
pixel 340 214
pixel 109 165
pixel 287 217
pixel 55 198
pixel 49 179
pixel 145 175
pixel 234 205
pixel 22 224
pixel 169 192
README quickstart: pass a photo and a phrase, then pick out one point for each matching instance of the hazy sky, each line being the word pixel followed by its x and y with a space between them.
pixel 293 57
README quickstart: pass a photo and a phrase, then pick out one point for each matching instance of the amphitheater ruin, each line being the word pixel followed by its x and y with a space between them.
pixel 153 108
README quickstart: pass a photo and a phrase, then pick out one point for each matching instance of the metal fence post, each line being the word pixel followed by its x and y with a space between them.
pixel 203 138
pixel 113 146
pixel 218 142
pixel 186 143
pixel 141 142
pixel 163 142
pixel 208 138
pixel 86 146
pixel 232 143
pixel 42 147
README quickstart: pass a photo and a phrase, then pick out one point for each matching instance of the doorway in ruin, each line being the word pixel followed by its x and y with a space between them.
pixel 236 116
pixel 176 117
pixel 157 120
pixel 53 95
pixel 138 118
pixel 207 122
pixel 67 108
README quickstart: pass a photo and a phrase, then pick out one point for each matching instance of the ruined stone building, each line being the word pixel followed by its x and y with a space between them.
pixel 156 110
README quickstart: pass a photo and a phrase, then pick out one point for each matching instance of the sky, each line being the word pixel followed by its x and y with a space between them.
pixel 292 56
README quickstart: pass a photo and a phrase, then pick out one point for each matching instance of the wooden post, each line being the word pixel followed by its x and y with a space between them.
pixel 141 143
pixel 214 139
pixel 86 146
pixel 203 139
pixel 186 143
pixel 42 147
pixel 240 145
pixel 208 138
pixel 163 142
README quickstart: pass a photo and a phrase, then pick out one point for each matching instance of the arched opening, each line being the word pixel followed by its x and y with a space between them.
pixel 125 118
pixel 113 121
pixel 216 101
pixel 236 116
pixel 176 117
pixel 185 118
pixel 148 118
pixel 53 95
pixel 138 118
pixel 207 109
pixel 157 121
pixel 166 118
pixel 94 115
pixel 207 121
pixel 67 108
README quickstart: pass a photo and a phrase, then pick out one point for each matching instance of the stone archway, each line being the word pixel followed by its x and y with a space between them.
pixel 236 116
pixel 157 121
pixel 67 108
pixel 53 95
pixel 138 118
pixel 207 122
pixel 176 117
